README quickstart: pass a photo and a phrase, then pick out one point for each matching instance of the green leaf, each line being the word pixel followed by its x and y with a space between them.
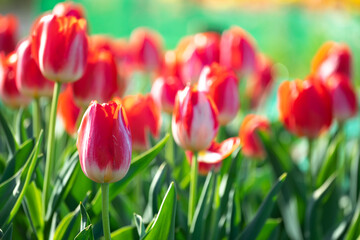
pixel 128 233
pixel 7 234
pixel 252 230
pixel 20 130
pixel 33 201
pixel 139 225
pixel 163 227
pixel 354 229
pixel 312 221
pixel 11 141
pixel 85 220
pixel 63 184
pixel 15 187
pixel 138 164
pixel 269 227
pixel 233 216
pixel 85 234
pixel 198 220
pixel 18 160
pixel 66 225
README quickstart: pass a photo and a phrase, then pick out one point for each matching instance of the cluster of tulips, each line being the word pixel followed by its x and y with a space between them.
pixel 198 88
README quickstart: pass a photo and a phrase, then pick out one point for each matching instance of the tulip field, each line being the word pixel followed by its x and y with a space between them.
pixel 105 137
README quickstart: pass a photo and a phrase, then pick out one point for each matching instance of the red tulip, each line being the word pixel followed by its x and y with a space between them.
pixel 222 87
pixel 147 48
pixel 305 107
pixel 8 31
pixel 60 47
pixel 260 82
pixel 171 65
pixel 198 51
pixel 194 121
pixel 213 157
pixel 67 9
pixel 144 118
pixel 238 51
pixel 164 91
pixel 104 142
pixel 343 96
pixel 332 58
pixel 29 79
pixel 9 92
pixel 251 144
pixel 99 81
pixel 68 111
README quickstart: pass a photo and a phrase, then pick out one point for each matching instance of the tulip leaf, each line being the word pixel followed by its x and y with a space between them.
pixel 85 220
pixel 66 225
pixel 138 164
pixel 233 216
pixel 163 227
pixel 268 229
pixel 20 130
pixel 198 220
pixel 33 202
pixel 311 224
pixel 15 187
pixel 252 230
pixel 86 233
pixel 139 225
pixel 18 160
pixel 128 233
pixel 63 184
pixel 11 141
pixel 7 234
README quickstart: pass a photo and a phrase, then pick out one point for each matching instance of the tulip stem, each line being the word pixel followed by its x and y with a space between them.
pixel 193 187
pixel 49 165
pixel 36 117
pixel 310 148
pixel 105 210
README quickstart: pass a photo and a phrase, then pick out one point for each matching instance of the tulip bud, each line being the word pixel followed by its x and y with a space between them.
pixel 332 58
pixel 104 142
pixel 305 107
pixel 144 118
pixel 194 121
pixel 222 87
pixel 67 9
pixel 29 79
pixel 260 82
pixel 60 47
pixel 8 30
pixel 99 81
pixel 251 144
pixel 343 97
pixel 164 91
pixel 213 157
pixel 147 48
pixel 9 92
pixel 237 51
pixel 199 51
pixel 68 111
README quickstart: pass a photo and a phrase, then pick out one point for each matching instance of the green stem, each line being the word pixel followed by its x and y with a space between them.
pixel 36 117
pixel 193 188
pixel 310 178
pixel 105 210
pixel 49 166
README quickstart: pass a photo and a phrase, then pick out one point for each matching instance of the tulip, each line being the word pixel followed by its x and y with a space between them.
pixel 260 82
pixel 147 48
pixel 29 79
pixel 99 81
pixel 222 87
pixel 104 142
pixel 332 58
pixel 343 97
pixel 171 65
pixel 60 47
pixel 238 51
pixel 164 91
pixel 67 9
pixel 104 145
pixel 251 144
pixel 194 121
pixel 9 92
pixel 305 107
pixel 213 157
pixel 68 111
pixel 144 119
pixel 8 31
pixel 196 53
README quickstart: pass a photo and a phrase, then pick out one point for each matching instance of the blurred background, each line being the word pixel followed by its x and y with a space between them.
pixel 288 31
